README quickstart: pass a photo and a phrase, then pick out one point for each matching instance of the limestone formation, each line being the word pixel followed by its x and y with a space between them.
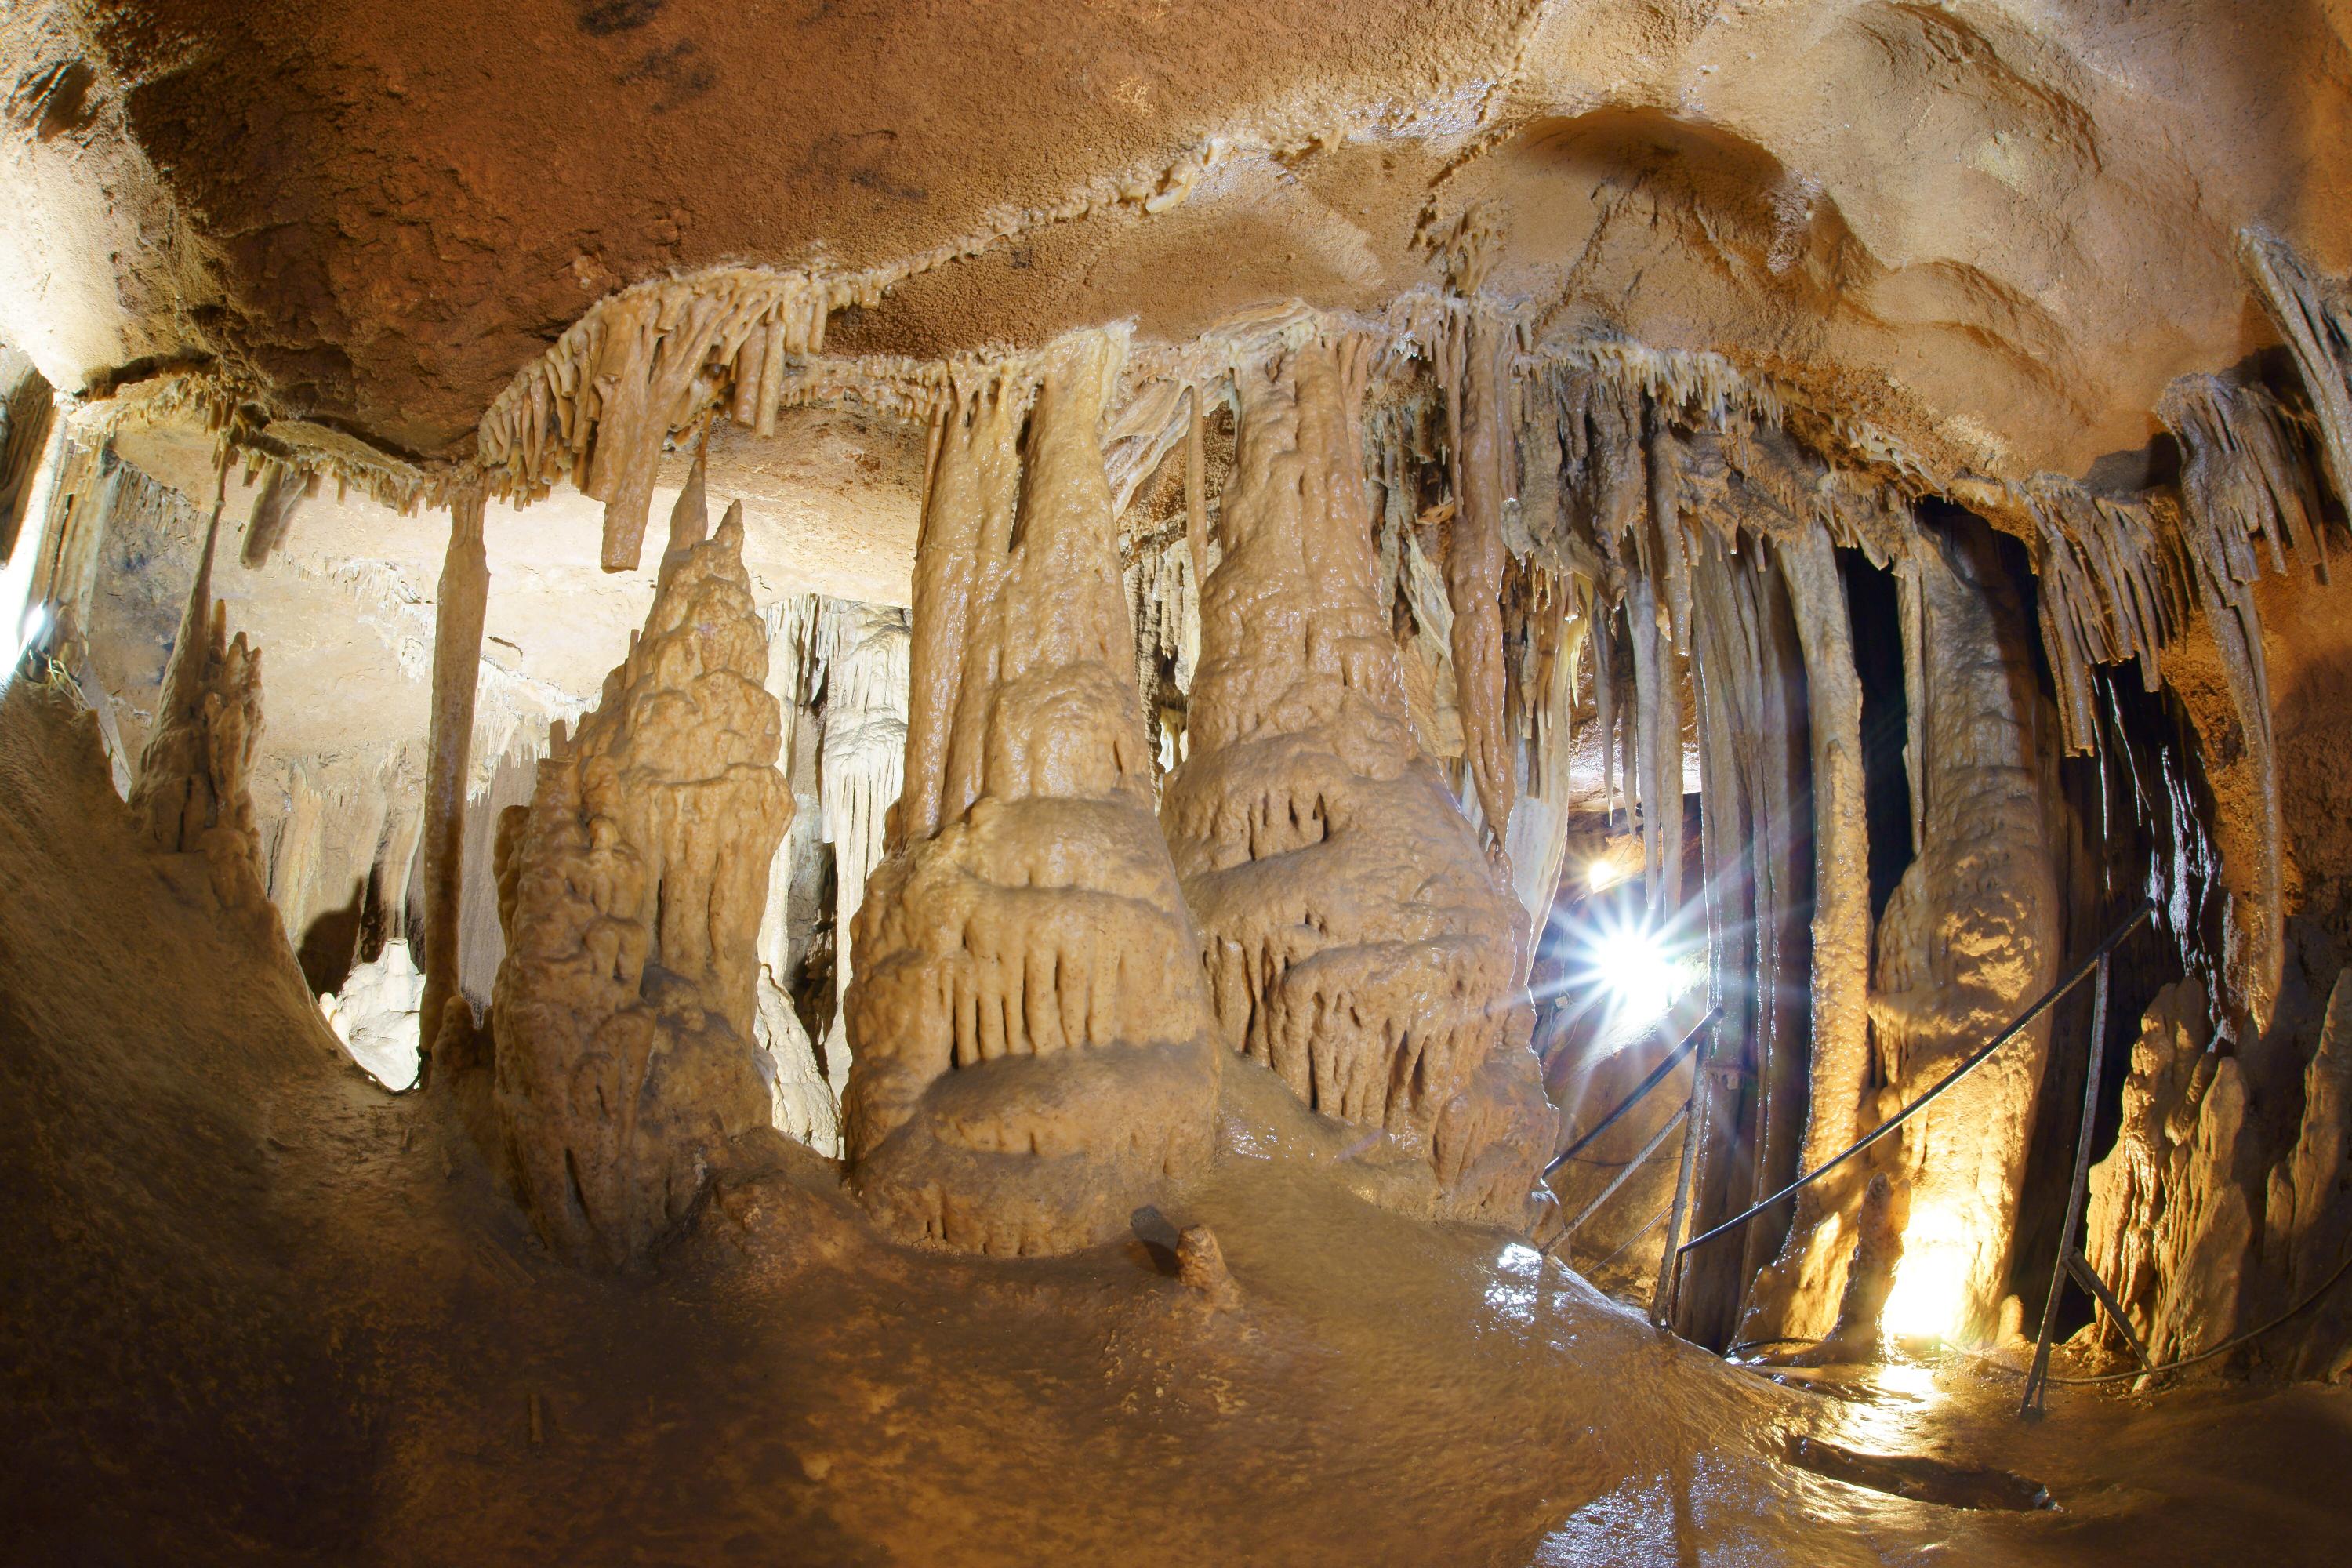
pixel 2170 1227
pixel 1969 939
pixel 1356 939
pixel 464 600
pixel 1032 1047
pixel 190 794
pixel 630 892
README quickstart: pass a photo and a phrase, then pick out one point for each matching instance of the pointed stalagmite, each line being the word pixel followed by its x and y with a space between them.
pixel 1034 1054
pixel 190 790
pixel 631 891
pixel 1359 941
pixel 462 604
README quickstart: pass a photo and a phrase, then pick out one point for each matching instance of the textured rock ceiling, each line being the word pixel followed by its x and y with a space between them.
pixel 2000 227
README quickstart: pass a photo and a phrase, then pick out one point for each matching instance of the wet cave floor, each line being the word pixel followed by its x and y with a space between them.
pixel 254 1310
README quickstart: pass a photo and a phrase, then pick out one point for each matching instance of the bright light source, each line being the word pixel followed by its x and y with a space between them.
pixel 1635 968
pixel 1930 1282
pixel 1603 874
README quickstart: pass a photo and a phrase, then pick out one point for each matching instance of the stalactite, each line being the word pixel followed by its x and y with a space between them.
pixel 462 602
pixel 1163 596
pixel 283 491
pixel 191 793
pixel 2314 315
pixel 1359 942
pixel 2110 591
pixel 1799 1293
pixel 1034 1046
pixel 1537 842
pixel 2241 483
pixel 630 890
pixel 864 649
pixel 1474 368
pixel 803 1104
pixel 599 404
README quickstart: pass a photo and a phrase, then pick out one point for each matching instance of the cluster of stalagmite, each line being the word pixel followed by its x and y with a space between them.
pixel 1033 1051
pixel 189 791
pixel 631 891
pixel 1358 941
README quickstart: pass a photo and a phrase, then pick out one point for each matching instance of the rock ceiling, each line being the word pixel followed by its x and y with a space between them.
pixel 2001 229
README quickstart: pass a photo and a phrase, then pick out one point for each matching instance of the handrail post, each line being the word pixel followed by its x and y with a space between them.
pixel 1661 1300
pixel 2037 1380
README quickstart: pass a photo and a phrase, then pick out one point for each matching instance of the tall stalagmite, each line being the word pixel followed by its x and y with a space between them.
pixel 1970 936
pixel 631 891
pixel 1359 942
pixel 1033 1044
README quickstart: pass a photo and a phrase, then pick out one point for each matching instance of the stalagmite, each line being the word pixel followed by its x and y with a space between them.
pixel 630 890
pixel 1799 1293
pixel 1033 1045
pixel 2171 1227
pixel 1477 379
pixel 1359 942
pixel 1969 939
pixel 2307 1221
pixel 463 602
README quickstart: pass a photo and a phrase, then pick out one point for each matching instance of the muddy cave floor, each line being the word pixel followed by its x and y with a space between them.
pixel 253 1309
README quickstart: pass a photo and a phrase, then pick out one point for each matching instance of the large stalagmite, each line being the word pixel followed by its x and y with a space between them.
pixel 1033 1044
pixel 631 891
pixel 1359 942
pixel 1969 938
pixel 457 618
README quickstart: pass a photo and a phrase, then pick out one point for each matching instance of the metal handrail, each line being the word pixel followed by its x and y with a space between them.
pixel 2080 973
pixel 1657 1076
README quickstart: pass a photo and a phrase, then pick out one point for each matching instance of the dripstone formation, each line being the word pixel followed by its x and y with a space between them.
pixel 630 890
pixel 1032 1046
pixel 1358 941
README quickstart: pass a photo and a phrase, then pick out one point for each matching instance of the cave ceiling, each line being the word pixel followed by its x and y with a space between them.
pixel 1999 230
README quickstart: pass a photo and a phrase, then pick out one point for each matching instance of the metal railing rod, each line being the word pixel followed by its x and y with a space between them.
pixel 2074 977
pixel 1621 1177
pixel 1641 1090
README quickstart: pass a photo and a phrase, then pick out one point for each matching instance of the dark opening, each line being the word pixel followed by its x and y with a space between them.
pixel 1876 612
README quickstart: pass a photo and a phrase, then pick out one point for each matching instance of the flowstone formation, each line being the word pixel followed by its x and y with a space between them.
pixel 1032 1046
pixel 1358 941
pixel 630 890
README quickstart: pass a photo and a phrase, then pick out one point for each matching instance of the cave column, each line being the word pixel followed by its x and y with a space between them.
pixel 462 604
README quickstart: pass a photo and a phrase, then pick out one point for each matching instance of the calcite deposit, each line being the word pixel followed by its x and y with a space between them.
pixel 1031 1046
pixel 630 891
pixel 1356 937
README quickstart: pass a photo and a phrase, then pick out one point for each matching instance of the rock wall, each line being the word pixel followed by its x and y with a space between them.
pixel 630 892
pixel 1359 942
pixel 1032 1042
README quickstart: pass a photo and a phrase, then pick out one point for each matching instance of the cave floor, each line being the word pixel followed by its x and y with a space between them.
pixel 253 1309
